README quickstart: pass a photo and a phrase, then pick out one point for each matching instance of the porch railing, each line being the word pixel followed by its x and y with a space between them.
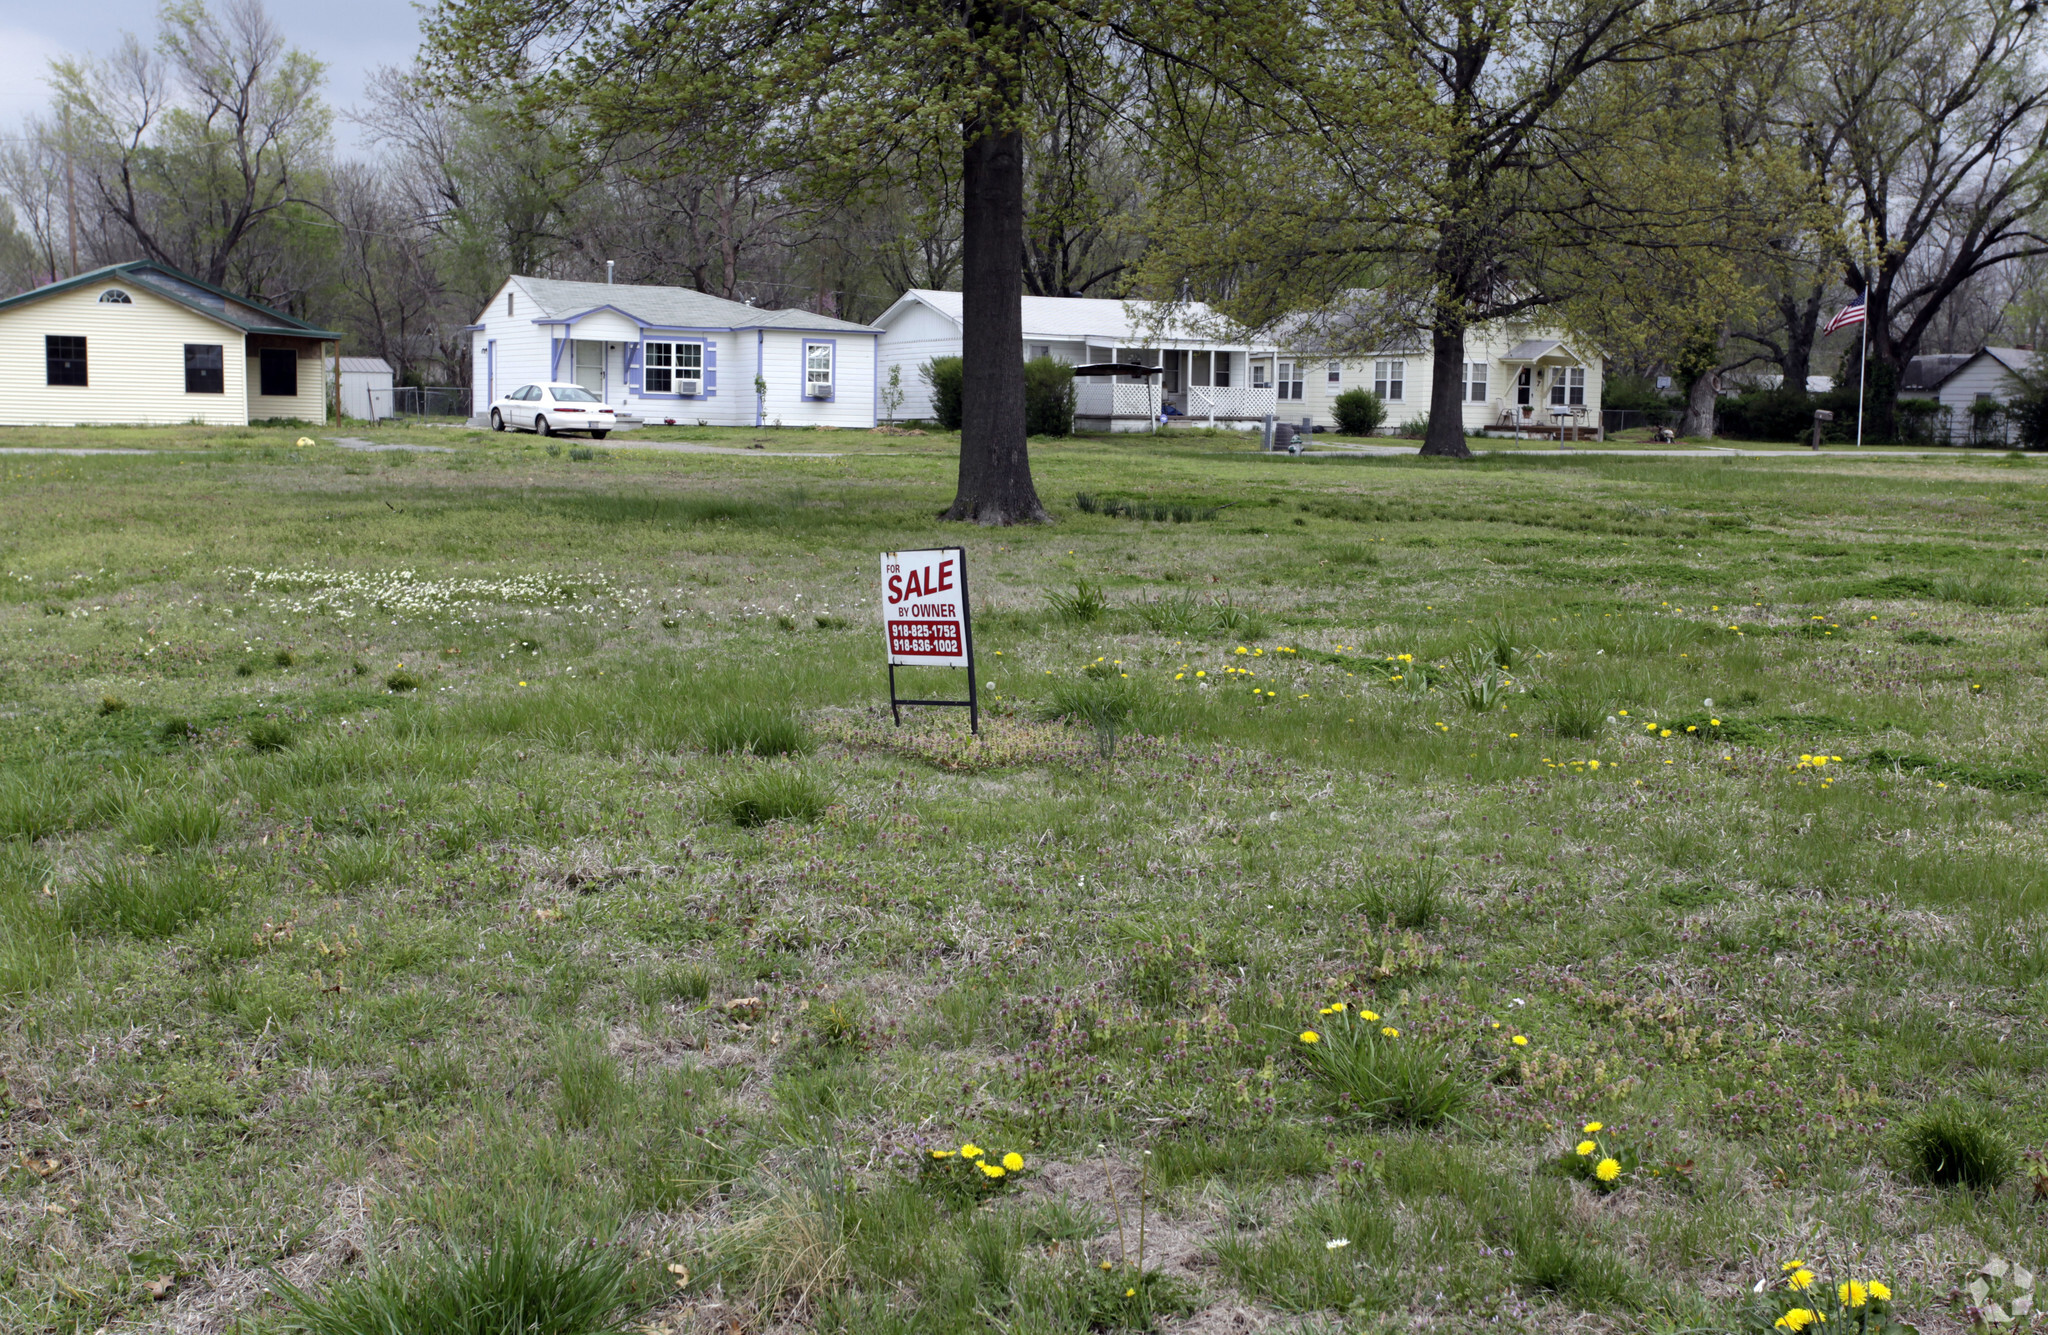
pixel 1225 402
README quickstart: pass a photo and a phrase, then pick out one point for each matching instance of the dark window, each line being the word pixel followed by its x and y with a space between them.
pixel 114 296
pixel 280 373
pixel 64 359
pixel 203 373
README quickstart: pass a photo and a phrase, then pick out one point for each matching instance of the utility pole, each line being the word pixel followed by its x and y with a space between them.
pixel 70 193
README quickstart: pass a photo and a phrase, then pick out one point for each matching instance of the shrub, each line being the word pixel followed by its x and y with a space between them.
pixel 1359 412
pixel 1048 397
pixel 2026 407
pixel 1415 428
pixel 758 796
pixel 763 730
pixel 1771 414
pixel 1950 1145
pixel 526 1281
pixel 944 375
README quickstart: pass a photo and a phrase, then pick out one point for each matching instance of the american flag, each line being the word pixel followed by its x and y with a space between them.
pixel 1851 314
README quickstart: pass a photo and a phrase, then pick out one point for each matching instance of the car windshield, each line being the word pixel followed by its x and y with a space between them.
pixel 573 394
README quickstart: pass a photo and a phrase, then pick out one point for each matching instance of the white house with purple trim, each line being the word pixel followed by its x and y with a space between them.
pixel 670 354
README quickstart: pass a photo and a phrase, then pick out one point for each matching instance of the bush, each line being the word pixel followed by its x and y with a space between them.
pixel 2027 407
pixel 1415 428
pixel 944 374
pixel 1950 1145
pixel 1772 414
pixel 1359 412
pixel 1048 397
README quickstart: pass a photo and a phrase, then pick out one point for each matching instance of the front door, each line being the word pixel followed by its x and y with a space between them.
pixel 1525 389
pixel 590 366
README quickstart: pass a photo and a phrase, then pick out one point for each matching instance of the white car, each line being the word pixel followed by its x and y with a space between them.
pixel 552 409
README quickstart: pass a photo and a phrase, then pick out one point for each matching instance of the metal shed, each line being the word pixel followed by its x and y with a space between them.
pixel 366 387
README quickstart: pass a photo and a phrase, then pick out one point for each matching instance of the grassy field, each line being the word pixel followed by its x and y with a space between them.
pixel 486 887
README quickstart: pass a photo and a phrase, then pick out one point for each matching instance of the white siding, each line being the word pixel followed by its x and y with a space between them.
pixel 1488 344
pixel 135 362
pixel 522 345
pixel 914 336
pixel 1982 375
pixel 853 380
pixel 308 405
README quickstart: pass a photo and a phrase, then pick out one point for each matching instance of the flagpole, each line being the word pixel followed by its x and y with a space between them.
pixel 1862 364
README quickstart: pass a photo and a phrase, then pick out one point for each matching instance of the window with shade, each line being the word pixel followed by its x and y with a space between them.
pixel 1290 380
pixel 1335 372
pixel 1568 387
pixel 1475 382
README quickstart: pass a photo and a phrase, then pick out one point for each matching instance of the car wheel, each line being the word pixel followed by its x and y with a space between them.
pixel 599 435
pixel 540 424
pixel 497 421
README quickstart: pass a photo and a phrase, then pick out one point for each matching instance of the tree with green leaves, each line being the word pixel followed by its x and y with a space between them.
pixel 196 146
pixel 1439 164
pixel 837 92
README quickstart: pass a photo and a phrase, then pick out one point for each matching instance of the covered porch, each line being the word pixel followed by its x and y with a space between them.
pixel 1546 394
pixel 1192 386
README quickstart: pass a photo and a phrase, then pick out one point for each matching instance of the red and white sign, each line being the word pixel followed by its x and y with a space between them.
pixel 924 607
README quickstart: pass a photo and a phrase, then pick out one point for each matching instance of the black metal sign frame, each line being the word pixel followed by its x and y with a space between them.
pixel 972 704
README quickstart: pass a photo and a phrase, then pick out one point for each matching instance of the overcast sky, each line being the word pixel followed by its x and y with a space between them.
pixel 352 36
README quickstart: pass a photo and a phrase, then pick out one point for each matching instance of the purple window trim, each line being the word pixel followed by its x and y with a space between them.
pixel 709 367
pixel 804 369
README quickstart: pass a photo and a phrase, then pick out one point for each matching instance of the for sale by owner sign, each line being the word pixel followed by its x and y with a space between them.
pixel 924 608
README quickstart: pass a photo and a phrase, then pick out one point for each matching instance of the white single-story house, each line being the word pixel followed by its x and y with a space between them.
pixel 671 354
pixel 1210 370
pixel 141 343
pixel 367 385
pixel 1517 378
pixel 1959 381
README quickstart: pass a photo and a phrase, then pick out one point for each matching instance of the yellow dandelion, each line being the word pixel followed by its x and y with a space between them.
pixel 1799 1318
pixel 992 1170
pixel 1368 1015
pixel 1800 1279
pixel 1586 1148
pixel 1014 1161
pixel 1311 1036
pixel 1607 1169
pixel 1880 1290
pixel 970 1151
pixel 1590 1127
pixel 1853 1294
pixel 1388 1031
pixel 1520 1040
pixel 944 1154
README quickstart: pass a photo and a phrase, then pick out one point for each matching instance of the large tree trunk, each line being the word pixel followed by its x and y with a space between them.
pixel 1445 438
pixel 1802 326
pixel 1700 397
pixel 995 467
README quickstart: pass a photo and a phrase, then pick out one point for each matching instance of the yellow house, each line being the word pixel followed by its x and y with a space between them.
pixel 141 343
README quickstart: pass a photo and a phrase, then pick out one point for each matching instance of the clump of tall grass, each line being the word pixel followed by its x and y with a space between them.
pixel 32 809
pixel 174 820
pixel 762 730
pixel 143 899
pixel 529 1280
pixel 1575 715
pixel 1368 1069
pixel 36 951
pixel 1157 512
pixel 1951 1145
pixel 757 796
pixel 1085 604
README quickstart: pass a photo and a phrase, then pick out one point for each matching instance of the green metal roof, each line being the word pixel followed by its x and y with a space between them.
pixel 163 281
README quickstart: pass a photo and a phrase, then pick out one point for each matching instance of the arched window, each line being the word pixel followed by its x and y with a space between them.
pixel 114 296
